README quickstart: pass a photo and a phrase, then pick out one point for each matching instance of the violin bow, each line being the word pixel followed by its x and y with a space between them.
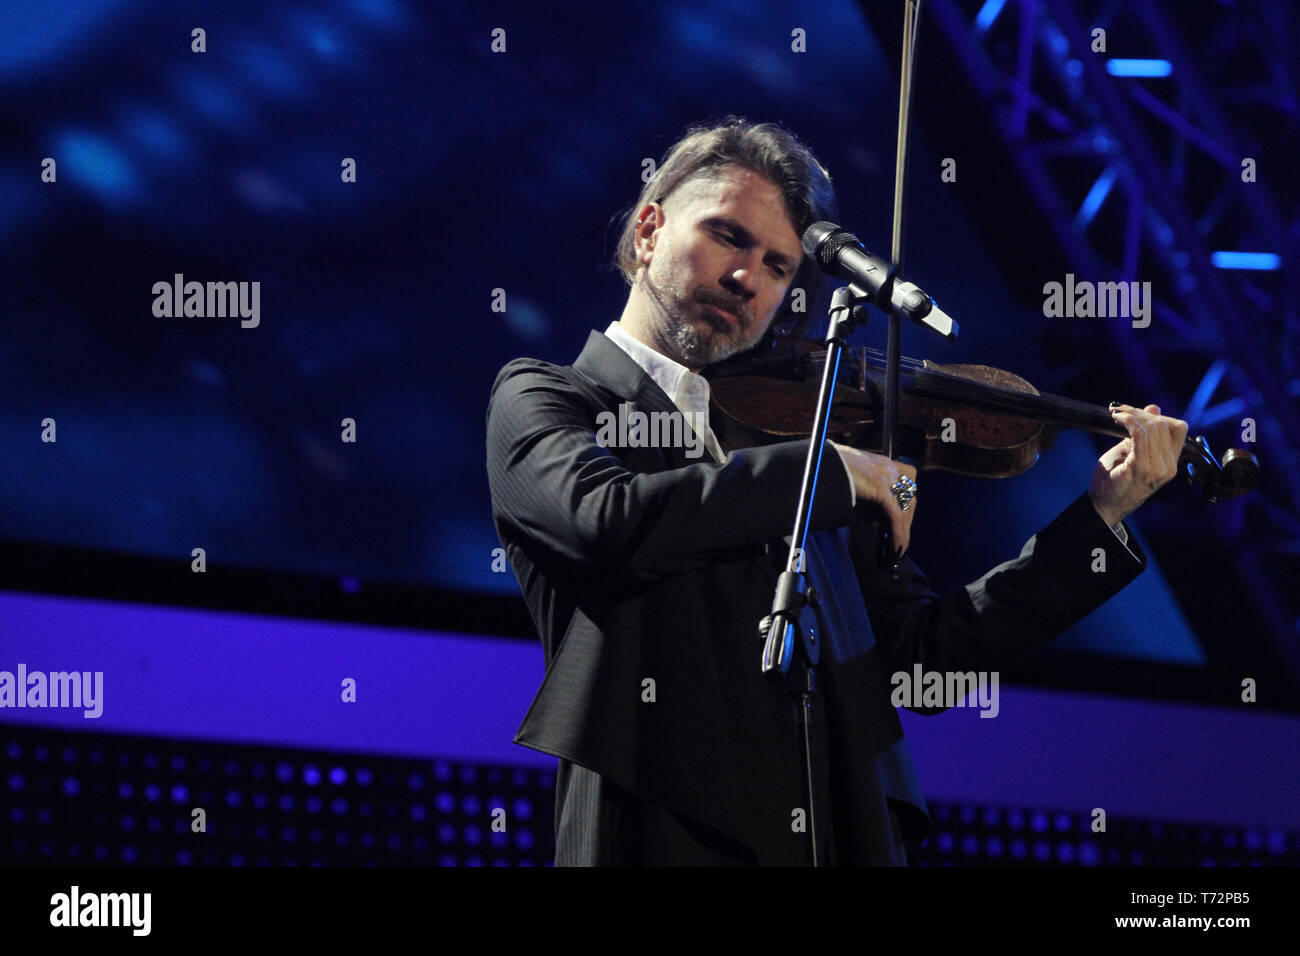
pixel 893 348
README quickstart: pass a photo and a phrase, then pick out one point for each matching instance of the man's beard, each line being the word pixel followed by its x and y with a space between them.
pixel 693 343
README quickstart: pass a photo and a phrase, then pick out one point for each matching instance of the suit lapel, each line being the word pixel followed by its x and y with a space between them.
pixel 609 367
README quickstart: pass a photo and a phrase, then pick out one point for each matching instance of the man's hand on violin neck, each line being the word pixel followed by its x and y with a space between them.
pixel 873 477
pixel 1133 470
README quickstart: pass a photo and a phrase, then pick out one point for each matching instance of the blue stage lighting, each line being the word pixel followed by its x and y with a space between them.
pixel 1263 261
pixel 988 13
pixel 1139 67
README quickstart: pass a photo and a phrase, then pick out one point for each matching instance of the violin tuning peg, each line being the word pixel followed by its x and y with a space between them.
pixel 1240 472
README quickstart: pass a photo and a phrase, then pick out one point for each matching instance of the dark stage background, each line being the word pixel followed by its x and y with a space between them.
pixel 476 171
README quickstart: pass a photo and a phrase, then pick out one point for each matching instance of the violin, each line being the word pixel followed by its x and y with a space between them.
pixel 970 419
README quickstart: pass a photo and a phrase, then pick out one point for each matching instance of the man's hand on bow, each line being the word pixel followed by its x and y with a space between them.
pixel 873 477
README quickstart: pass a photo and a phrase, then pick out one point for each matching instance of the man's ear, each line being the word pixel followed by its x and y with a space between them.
pixel 649 220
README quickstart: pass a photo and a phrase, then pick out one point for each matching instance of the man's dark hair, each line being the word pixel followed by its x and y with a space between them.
pixel 773 152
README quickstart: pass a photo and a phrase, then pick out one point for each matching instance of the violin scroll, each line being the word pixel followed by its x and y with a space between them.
pixel 1219 481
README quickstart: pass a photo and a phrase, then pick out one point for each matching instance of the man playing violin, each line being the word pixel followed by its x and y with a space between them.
pixel 646 571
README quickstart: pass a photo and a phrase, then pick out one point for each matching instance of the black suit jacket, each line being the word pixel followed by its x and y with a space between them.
pixel 640 564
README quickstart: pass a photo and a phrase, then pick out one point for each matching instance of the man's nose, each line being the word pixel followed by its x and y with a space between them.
pixel 742 280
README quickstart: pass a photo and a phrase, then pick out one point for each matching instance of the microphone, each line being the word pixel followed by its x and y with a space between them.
pixel 839 253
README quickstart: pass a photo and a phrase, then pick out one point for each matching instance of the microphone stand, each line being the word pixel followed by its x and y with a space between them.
pixel 791 648
pixel 790 645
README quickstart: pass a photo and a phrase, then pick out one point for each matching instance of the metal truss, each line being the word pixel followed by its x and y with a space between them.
pixel 1138 169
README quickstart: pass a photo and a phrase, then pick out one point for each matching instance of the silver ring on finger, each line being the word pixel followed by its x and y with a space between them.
pixel 903 490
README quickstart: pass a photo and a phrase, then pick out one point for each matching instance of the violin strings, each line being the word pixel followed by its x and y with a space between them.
pixel 1084 413
pixel 1062 405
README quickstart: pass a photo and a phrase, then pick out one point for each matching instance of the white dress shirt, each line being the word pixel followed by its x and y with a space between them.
pixel 688 390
